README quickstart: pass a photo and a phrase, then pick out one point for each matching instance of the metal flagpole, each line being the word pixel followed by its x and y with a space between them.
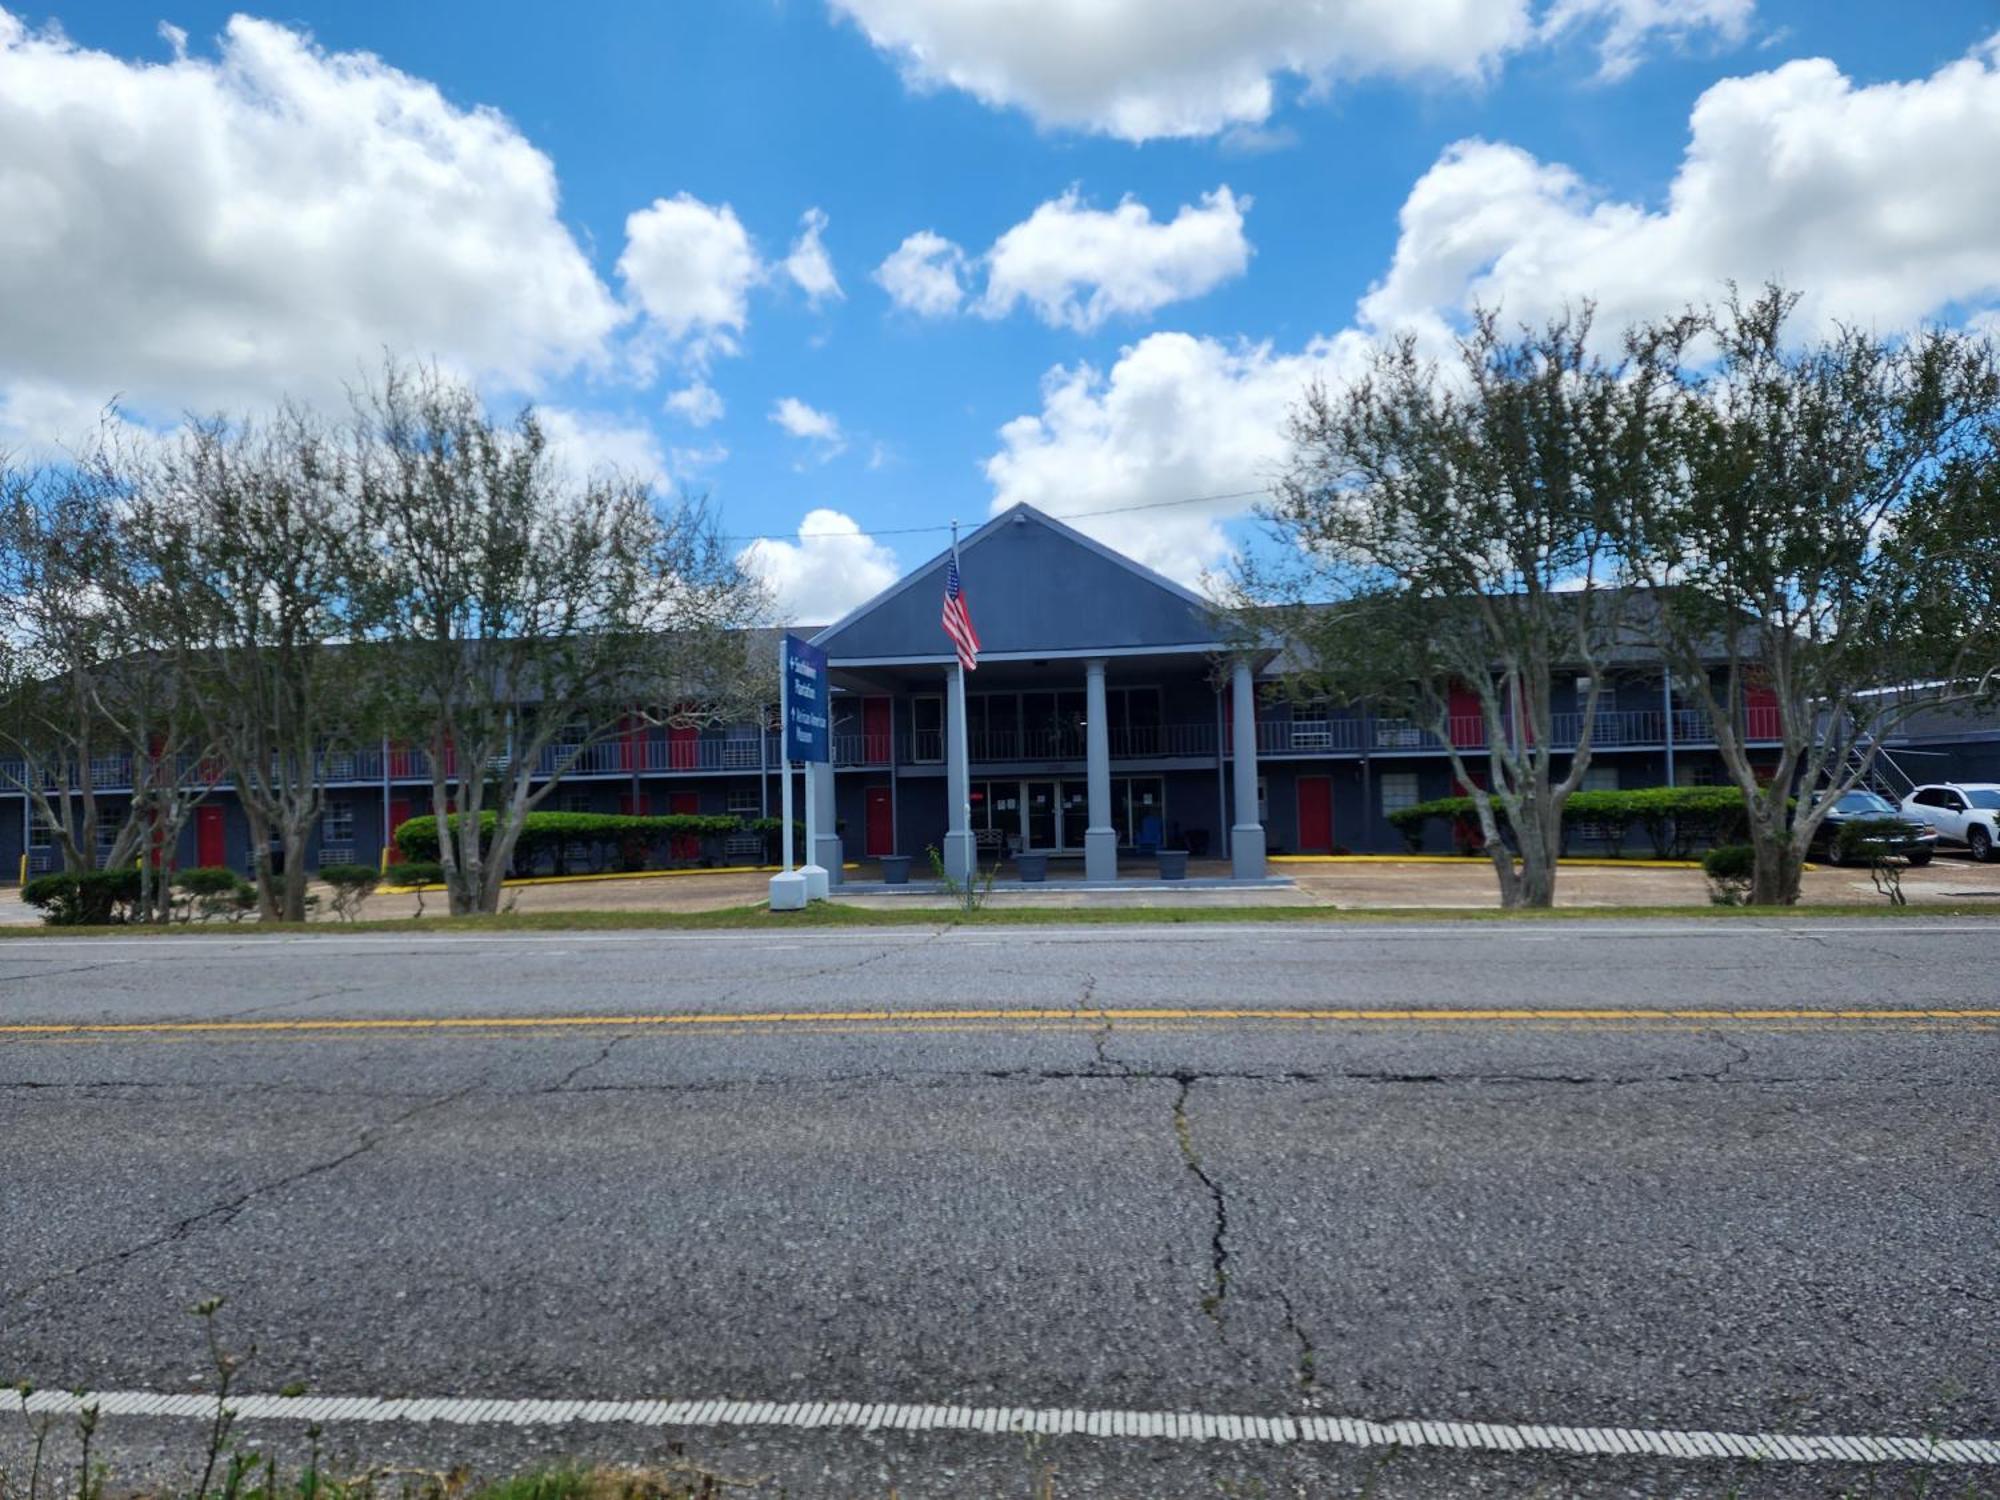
pixel 964 788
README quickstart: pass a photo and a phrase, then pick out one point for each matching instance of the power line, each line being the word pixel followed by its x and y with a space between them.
pixel 1075 515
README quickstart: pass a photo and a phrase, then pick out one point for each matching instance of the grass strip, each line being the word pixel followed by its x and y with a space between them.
pixel 833 914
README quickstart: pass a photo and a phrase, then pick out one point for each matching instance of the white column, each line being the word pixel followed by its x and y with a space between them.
pixel 826 846
pixel 961 854
pixel 1100 839
pixel 1246 835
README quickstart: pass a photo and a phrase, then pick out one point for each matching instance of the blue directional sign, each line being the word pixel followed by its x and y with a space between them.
pixel 808 713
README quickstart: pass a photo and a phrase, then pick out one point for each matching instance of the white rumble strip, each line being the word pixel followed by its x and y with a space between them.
pixel 1194 1427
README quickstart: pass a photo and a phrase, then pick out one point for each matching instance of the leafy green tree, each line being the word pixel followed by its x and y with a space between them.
pixel 1819 539
pixel 1450 537
pixel 526 615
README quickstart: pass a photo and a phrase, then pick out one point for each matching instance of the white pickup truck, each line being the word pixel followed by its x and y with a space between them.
pixel 1962 812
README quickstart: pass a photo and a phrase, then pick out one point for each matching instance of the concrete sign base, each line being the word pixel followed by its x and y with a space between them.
pixel 816 881
pixel 788 891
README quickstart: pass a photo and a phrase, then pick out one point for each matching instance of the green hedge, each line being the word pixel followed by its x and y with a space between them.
pixel 595 838
pixel 1675 819
pixel 95 898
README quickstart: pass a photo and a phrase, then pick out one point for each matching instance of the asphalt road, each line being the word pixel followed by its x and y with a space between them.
pixel 1075 1169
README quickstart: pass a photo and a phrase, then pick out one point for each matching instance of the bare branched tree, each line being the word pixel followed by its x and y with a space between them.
pixel 253 528
pixel 88 698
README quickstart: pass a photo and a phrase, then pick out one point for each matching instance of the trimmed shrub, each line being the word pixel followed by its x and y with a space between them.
pixel 1730 869
pixel 416 872
pixel 1676 819
pixel 352 885
pixel 596 839
pixel 211 891
pixel 94 898
pixel 207 880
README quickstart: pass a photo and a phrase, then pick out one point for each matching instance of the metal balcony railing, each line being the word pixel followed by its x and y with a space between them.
pixel 740 750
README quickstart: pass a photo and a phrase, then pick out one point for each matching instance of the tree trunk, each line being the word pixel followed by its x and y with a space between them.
pixel 260 863
pixel 467 887
pixel 1775 875
pixel 1537 881
pixel 295 873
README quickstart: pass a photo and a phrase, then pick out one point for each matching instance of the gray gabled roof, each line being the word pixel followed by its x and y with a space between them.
pixel 1036 588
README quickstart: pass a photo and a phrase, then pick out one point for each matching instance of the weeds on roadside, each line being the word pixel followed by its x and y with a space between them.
pixel 967 895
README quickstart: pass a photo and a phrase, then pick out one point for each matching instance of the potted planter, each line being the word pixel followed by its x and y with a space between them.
pixel 1173 864
pixel 895 869
pixel 1034 868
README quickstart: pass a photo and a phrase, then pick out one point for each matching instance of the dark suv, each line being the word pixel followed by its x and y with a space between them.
pixel 1914 841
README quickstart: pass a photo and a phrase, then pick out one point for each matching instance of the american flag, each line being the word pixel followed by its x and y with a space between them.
pixel 958 619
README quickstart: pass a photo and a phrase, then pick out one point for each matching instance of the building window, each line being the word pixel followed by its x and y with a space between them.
pixel 336 824
pixel 41 832
pixel 1599 779
pixel 577 802
pixel 744 800
pixel 1399 790
pixel 1263 801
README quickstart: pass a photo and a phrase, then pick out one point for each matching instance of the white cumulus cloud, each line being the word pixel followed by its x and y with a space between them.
pixel 690 265
pixel 924 275
pixel 809 266
pixel 827 571
pixel 1078 266
pixel 1860 197
pixel 208 230
pixel 1145 69
pixel 1856 195
pixel 1176 418
pixel 584 443
pixel 698 404
pixel 808 423
pixel 1626 27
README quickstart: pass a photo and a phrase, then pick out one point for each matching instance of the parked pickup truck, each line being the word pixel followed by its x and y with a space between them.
pixel 1912 838
pixel 1962 812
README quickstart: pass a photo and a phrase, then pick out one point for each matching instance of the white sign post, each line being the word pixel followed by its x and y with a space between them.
pixel 789 888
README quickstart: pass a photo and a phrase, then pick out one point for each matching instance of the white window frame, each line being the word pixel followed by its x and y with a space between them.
pixel 1400 781
pixel 332 817
pixel 743 801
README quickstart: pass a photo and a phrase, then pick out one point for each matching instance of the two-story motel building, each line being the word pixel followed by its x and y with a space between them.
pixel 1108 717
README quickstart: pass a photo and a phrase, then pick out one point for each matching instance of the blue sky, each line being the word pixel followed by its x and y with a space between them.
pixel 211 208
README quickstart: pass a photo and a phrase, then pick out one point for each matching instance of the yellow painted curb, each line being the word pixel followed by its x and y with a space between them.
pixel 406 890
pixel 1479 861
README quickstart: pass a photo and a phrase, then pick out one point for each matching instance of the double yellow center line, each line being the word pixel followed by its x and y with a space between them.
pixel 1013 1015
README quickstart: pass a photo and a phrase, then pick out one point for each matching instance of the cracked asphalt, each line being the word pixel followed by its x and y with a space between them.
pixel 1783 1224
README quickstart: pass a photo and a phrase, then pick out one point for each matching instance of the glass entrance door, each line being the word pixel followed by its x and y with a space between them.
pixel 1075 814
pixel 1044 827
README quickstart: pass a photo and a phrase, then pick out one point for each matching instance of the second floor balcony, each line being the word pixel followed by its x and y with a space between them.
pixel 743 750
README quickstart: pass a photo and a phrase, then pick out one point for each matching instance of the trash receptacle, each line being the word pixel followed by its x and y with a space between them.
pixel 895 869
pixel 1173 864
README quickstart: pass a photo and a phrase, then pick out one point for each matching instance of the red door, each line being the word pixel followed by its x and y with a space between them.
pixel 686 845
pixel 683 752
pixel 1315 814
pixel 209 846
pixel 1467 721
pixel 881 823
pixel 399 814
pixel 875 736
pixel 1760 713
